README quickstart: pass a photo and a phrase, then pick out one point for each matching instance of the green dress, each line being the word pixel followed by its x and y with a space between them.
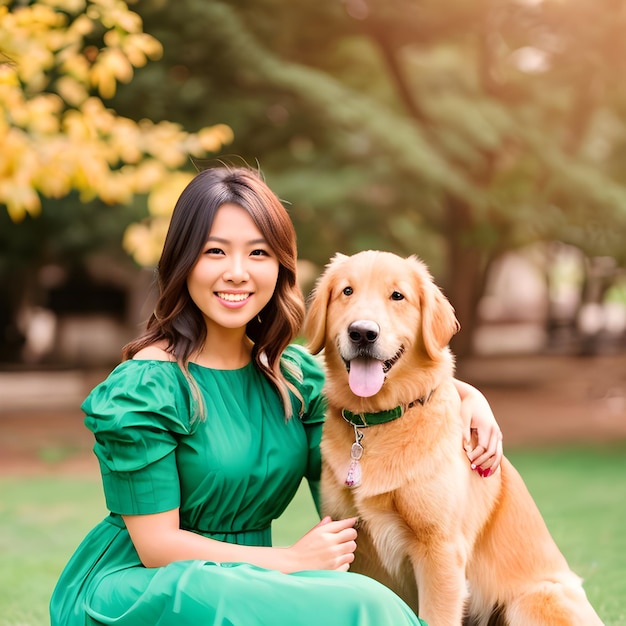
pixel 230 474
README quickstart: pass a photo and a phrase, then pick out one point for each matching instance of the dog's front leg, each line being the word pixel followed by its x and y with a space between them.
pixel 440 576
pixel 336 500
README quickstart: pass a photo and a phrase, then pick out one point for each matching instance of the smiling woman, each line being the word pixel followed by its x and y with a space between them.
pixel 203 435
pixel 202 239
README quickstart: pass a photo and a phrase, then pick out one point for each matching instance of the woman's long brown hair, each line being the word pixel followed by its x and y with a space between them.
pixel 177 320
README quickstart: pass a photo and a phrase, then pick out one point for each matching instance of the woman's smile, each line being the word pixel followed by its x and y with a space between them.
pixel 236 298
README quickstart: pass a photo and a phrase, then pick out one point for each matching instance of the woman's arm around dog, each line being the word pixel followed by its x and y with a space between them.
pixel 483 439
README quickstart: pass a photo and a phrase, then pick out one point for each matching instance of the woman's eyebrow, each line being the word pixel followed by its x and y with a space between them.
pixel 251 242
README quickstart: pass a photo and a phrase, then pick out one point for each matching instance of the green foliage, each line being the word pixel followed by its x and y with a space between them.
pixel 66 233
pixel 450 129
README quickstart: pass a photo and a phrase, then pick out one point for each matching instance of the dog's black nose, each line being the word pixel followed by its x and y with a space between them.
pixel 363 332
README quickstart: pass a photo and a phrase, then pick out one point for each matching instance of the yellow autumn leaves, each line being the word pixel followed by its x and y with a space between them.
pixel 57 135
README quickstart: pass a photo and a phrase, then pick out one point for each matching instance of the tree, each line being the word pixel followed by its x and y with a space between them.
pixel 455 129
pixel 514 113
pixel 60 61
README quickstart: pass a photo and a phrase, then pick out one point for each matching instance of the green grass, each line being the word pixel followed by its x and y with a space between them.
pixel 580 491
pixel 41 521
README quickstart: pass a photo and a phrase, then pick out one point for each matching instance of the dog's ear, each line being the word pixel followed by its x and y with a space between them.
pixel 314 328
pixel 439 323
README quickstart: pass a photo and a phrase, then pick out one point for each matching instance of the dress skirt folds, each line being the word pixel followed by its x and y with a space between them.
pixel 230 474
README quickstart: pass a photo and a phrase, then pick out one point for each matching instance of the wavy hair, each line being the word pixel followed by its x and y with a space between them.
pixel 176 318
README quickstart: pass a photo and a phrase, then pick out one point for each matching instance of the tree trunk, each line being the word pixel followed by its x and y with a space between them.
pixel 465 273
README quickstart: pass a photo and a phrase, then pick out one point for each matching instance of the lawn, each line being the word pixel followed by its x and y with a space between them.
pixel 580 491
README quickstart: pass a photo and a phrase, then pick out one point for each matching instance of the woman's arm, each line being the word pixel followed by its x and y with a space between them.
pixel 483 439
pixel 159 540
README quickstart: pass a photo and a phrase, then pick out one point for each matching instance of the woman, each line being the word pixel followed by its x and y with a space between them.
pixel 204 432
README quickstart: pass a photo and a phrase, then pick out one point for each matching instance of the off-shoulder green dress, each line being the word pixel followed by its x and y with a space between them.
pixel 230 474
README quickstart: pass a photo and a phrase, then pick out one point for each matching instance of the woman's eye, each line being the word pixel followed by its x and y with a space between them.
pixel 259 252
pixel 348 291
pixel 396 295
pixel 213 251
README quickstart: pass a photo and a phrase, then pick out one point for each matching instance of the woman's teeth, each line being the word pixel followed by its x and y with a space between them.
pixel 233 297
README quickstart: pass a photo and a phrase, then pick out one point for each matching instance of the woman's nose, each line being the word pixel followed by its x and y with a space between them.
pixel 237 271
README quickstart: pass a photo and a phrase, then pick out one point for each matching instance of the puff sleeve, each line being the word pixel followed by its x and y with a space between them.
pixel 305 372
pixel 137 416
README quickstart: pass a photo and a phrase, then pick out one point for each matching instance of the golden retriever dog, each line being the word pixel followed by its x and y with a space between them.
pixel 477 550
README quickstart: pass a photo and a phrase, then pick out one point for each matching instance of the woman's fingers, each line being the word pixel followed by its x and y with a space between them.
pixel 330 544
pixel 486 457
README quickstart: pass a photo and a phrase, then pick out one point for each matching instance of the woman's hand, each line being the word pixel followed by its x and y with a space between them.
pixel 328 545
pixel 483 438
pixel 159 540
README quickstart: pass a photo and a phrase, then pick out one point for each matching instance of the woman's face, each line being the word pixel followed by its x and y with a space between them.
pixel 236 274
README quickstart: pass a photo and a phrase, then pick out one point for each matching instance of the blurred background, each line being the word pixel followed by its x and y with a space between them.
pixel 486 136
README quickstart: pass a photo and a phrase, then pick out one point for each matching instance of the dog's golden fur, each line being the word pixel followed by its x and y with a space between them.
pixel 427 522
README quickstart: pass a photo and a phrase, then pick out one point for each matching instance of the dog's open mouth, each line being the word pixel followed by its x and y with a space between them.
pixel 389 363
pixel 366 375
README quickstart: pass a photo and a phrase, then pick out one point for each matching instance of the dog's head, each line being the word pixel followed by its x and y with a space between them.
pixel 376 314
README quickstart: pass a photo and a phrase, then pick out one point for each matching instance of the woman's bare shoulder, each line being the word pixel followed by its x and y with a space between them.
pixel 155 352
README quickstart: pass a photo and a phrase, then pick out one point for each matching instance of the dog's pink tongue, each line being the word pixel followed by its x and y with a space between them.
pixel 366 377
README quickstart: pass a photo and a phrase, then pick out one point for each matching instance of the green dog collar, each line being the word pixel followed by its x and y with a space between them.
pixel 363 420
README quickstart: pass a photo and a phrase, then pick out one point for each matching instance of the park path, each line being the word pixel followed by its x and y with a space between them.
pixel 538 400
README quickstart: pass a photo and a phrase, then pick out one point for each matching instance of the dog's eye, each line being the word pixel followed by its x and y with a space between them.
pixel 348 291
pixel 396 295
